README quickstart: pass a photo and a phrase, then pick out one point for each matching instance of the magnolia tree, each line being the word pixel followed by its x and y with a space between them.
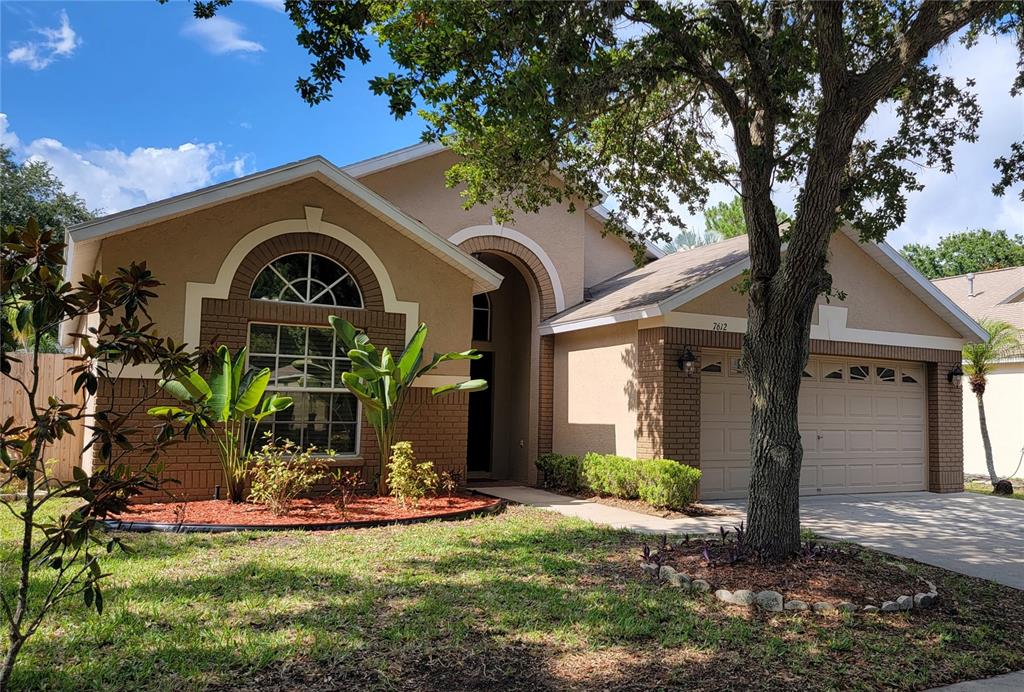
pixel 654 102
pixel 59 545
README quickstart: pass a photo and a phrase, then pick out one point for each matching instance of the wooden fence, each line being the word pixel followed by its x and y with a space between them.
pixel 53 381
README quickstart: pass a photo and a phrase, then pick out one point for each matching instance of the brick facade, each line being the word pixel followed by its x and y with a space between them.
pixel 437 426
pixel 668 400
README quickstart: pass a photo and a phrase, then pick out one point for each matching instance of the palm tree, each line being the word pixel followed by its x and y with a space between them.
pixel 979 359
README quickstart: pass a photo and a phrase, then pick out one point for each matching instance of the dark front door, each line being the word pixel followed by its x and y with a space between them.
pixel 481 405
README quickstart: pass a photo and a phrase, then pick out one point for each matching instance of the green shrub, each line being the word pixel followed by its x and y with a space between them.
pixel 667 483
pixel 658 482
pixel 561 471
pixel 281 472
pixel 408 480
pixel 612 475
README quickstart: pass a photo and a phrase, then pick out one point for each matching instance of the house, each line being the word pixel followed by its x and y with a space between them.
pixel 584 351
pixel 997 294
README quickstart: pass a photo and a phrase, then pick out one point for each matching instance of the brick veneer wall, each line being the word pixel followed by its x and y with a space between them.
pixel 945 429
pixel 437 426
pixel 668 417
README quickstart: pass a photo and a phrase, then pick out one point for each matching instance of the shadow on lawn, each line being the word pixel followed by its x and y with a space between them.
pixel 552 607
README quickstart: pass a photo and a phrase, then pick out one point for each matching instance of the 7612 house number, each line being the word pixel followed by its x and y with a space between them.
pixel 719 326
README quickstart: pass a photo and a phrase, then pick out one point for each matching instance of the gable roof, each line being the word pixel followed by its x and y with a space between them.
pixel 998 294
pixel 484 278
pixel 664 285
pixel 422 150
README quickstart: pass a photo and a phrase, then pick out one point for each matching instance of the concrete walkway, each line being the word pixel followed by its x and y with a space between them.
pixel 977 535
pixel 612 516
pixel 1012 682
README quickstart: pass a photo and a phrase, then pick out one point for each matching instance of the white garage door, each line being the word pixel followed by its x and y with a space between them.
pixel 862 423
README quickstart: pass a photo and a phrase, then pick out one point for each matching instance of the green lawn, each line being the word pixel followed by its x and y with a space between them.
pixel 520 600
pixel 985 488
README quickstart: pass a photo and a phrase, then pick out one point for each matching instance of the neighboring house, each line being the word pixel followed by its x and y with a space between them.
pixel 583 350
pixel 996 294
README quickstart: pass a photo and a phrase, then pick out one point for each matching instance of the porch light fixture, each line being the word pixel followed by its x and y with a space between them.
pixel 955 372
pixel 688 361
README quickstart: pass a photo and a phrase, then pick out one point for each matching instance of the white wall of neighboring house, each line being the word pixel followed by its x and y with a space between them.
pixel 1004 410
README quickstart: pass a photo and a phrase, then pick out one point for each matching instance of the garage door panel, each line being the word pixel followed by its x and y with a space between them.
pixel 887 440
pixel 860 440
pixel 858 405
pixel 865 434
pixel 712 442
pixel 886 407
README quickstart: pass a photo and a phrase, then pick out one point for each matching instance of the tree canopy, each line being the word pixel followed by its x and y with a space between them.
pixel 970 251
pixel 31 190
pixel 726 218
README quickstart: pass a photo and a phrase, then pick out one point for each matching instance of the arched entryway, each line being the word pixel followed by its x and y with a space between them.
pixel 510 423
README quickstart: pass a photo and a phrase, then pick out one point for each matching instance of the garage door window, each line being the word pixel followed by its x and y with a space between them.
pixel 859 373
pixel 910 375
pixel 885 374
pixel 713 368
pixel 833 372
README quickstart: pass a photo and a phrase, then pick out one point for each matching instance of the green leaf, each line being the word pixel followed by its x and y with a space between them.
pixel 467 386
pixel 164 411
pixel 412 356
pixel 221 380
pixel 249 399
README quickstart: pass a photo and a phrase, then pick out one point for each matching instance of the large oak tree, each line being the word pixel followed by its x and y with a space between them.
pixel 654 102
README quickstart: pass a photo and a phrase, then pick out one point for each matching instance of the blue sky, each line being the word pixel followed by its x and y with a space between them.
pixel 132 102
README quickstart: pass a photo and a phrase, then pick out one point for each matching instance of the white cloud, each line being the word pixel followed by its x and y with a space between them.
pixel 112 180
pixel 221 35
pixel 56 42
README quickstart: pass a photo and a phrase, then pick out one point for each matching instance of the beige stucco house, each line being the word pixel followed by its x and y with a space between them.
pixel 999 295
pixel 584 351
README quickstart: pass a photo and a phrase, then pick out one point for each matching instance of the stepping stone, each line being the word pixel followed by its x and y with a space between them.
pixel 770 600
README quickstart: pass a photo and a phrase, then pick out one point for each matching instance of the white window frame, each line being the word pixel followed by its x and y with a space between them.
pixel 308 300
pixel 356 453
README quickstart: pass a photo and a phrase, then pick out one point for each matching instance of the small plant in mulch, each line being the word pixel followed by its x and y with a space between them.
pixel 346 485
pixel 450 482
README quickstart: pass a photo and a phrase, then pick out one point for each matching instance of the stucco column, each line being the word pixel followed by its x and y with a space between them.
pixel 945 430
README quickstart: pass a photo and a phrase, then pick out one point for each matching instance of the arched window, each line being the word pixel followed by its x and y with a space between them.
pixel 481 317
pixel 304 277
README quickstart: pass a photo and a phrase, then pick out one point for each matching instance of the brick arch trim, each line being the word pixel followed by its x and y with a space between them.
pixel 550 299
pixel 288 243
pixel 549 289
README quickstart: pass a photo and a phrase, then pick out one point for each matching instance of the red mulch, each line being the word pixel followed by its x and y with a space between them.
pixel 860 578
pixel 306 511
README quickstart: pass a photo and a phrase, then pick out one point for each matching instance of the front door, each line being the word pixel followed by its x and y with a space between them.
pixel 481 407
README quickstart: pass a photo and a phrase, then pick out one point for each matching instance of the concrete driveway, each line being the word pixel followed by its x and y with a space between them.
pixel 978 535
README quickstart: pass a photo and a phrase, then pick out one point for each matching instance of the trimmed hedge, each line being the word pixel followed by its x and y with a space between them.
pixel 560 471
pixel 658 482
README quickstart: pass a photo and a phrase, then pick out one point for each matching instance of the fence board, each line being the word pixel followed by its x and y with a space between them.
pixel 53 381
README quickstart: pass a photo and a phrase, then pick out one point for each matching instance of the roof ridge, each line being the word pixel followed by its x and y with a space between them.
pixel 982 271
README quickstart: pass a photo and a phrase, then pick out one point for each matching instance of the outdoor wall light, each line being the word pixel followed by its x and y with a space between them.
pixel 688 361
pixel 955 372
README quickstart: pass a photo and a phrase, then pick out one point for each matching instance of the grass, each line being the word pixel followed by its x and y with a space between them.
pixel 985 487
pixel 521 600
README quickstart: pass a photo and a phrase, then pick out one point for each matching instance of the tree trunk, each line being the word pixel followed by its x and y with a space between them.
pixel 986 442
pixel 775 351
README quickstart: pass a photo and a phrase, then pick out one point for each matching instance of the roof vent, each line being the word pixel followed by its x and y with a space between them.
pixel 970 284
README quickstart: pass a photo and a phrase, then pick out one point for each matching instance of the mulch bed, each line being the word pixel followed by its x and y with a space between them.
pixel 303 511
pixel 861 578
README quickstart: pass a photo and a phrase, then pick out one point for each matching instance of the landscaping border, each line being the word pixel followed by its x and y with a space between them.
pixel 150 526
